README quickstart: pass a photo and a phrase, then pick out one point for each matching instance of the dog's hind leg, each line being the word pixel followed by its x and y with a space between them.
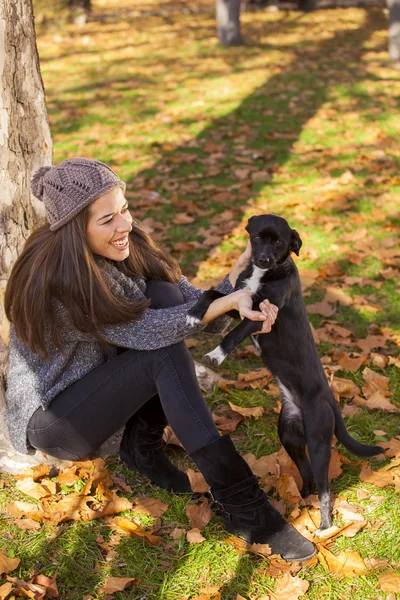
pixel 291 434
pixel 319 426
pixel 231 340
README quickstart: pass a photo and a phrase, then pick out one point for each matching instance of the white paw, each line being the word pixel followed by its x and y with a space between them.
pixel 192 321
pixel 216 357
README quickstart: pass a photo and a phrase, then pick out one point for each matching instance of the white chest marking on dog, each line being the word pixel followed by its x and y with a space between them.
pixel 293 411
pixel 254 281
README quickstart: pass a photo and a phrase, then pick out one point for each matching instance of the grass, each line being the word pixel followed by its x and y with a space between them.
pixel 306 99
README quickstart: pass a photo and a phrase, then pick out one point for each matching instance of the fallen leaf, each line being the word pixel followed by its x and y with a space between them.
pixel 27 524
pixel 321 308
pixel 197 481
pixel 255 412
pixel 134 530
pixel 194 536
pixel 7 564
pixel 30 488
pixel 49 583
pixel 287 489
pixel 150 506
pixel 176 533
pixel 345 564
pixel 390 582
pixel 289 587
pixel 199 515
pixel 5 590
pixel 116 584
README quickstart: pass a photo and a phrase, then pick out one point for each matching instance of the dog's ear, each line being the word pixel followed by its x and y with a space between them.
pixel 295 242
pixel 248 224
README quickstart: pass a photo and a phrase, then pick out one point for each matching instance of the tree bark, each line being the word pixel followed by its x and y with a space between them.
pixel 228 22
pixel 307 5
pixel 394 30
pixel 25 145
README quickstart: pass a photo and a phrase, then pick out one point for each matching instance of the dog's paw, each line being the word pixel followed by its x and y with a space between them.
pixel 192 320
pixel 216 357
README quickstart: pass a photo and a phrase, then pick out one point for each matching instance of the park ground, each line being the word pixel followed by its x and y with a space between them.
pixel 301 121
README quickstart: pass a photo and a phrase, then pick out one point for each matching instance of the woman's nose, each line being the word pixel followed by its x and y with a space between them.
pixel 124 224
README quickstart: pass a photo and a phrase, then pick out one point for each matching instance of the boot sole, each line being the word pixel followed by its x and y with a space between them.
pixel 287 559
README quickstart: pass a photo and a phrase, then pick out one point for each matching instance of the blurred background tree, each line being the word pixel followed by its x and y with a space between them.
pixel 61 11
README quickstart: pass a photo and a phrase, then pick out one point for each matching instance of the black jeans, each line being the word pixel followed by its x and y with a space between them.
pixel 88 412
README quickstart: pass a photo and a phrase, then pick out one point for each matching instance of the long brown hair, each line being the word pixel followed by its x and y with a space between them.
pixel 60 265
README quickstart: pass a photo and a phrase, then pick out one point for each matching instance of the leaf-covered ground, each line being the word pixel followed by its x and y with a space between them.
pixel 302 121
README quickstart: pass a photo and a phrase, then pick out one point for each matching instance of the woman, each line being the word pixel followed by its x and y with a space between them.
pixel 98 314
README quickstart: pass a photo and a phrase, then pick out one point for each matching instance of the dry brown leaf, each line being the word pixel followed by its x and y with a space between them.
pixel 345 388
pixel 7 564
pixel 227 422
pixel 30 488
pixel 289 587
pixel 392 447
pixel 335 294
pixel 350 364
pixel 194 536
pixel 150 506
pixel 255 412
pixel 287 489
pixel 5 590
pixel 49 583
pixel 117 584
pixel 176 533
pixel 370 342
pixel 390 582
pixel 335 464
pixel 134 530
pixel 321 308
pixel 35 472
pixel 170 438
pixel 182 219
pixel 378 401
pixel 345 564
pixel 197 481
pixel 199 515
pixel 379 478
pixel 27 524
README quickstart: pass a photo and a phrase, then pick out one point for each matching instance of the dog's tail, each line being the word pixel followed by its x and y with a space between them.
pixel 345 438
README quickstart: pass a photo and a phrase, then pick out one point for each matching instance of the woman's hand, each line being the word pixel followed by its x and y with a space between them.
pixel 240 264
pixel 243 303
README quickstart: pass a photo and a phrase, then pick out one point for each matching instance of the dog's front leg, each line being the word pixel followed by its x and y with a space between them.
pixel 232 339
pixel 197 312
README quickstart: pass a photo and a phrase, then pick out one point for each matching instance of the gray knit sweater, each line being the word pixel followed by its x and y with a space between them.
pixel 33 382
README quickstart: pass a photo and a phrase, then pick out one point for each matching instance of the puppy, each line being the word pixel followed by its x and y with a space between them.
pixel 310 414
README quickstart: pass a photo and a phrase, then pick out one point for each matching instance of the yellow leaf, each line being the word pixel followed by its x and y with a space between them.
pixel 255 412
pixel 345 564
pixel 390 582
pixel 7 564
pixel 290 588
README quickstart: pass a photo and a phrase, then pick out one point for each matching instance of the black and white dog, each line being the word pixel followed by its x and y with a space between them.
pixel 310 414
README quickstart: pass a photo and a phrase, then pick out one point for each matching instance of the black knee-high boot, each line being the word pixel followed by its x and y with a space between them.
pixel 243 505
pixel 142 448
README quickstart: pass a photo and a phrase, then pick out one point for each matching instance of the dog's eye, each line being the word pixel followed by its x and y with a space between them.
pixel 256 237
pixel 278 243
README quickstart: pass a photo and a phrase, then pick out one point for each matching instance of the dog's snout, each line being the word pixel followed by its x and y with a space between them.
pixel 264 260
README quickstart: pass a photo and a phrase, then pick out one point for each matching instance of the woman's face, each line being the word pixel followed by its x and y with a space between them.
pixel 109 225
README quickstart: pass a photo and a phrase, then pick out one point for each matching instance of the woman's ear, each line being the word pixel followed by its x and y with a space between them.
pixel 295 242
pixel 248 223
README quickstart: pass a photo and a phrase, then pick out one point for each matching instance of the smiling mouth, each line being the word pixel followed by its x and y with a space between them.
pixel 120 244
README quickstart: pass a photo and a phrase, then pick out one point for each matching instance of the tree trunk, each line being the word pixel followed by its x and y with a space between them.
pixel 307 5
pixel 25 145
pixel 228 22
pixel 394 30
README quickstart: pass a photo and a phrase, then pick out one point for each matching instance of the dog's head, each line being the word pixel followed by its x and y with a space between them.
pixel 272 240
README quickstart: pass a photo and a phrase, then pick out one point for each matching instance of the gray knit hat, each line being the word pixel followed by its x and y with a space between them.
pixel 67 188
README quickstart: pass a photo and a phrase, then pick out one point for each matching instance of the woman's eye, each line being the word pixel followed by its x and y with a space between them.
pixel 109 221
pixel 125 209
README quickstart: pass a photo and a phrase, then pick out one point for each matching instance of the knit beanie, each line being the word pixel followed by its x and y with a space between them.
pixel 67 188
